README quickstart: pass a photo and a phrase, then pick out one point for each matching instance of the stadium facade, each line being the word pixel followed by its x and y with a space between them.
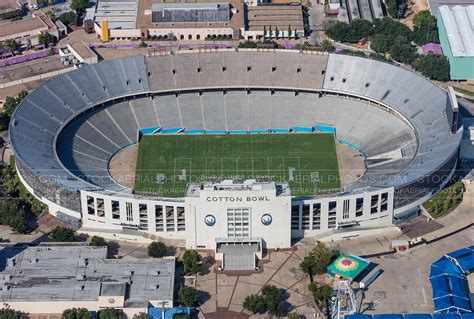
pixel 66 131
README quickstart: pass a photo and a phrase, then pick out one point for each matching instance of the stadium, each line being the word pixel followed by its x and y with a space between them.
pixel 235 150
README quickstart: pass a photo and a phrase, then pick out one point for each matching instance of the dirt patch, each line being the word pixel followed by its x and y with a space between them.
pixel 123 165
pixel 351 164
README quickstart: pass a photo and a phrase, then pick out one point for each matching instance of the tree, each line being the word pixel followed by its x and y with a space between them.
pixel 11 44
pixel 191 264
pixel 433 66
pixel 425 29
pixel 69 18
pixel 156 249
pixel 79 6
pixel 188 296
pixel 396 8
pixel 402 51
pixel 140 315
pixel 255 304
pixel 143 45
pixel 317 260
pixel 352 32
pixel 110 313
pixel 98 241
pixel 12 214
pixel 76 313
pixel 4 120
pixel 321 293
pixel 273 299
pixel 381 43
pixel 45 39
pixel 248 44
pixel 8 313
pixel 63 234
pixel 326 45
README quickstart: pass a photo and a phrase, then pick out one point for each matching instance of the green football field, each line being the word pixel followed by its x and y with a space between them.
pixel 167 163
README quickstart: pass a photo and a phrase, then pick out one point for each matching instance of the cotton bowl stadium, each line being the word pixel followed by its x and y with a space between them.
pixel 235 147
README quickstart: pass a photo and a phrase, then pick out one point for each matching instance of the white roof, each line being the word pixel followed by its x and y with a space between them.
pixel 459 24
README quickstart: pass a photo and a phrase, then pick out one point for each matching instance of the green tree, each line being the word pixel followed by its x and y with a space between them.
pixel 247 44
pixel 63 234
pixel 326 45
pixel 68 18
pixel 4 120
pixel 381 43
pixel 8 313
pixel 12 214
pixel 396 8
pixel 98 241
pixel 110 313
pixel 143 45
pixel 321 294
pixel 76 313
pixel 79 6
pixel 402 51
pixel 45 39
pixel 255 304
pixel 425 29
pixel 191 265
pixel 10 105
pixel 140 315
pixel 156 249
pixel 273 299
pixel 317 260
pixel 188 296
pixel 11 44
pixel 433 66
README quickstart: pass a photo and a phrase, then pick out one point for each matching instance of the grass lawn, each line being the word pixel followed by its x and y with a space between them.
pixel 167 163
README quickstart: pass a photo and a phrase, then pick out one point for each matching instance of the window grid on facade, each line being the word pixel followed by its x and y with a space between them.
pixel 129 212
pixel 305 217
pixel 238 222
pixel 345 209
pixel 316 216
pixel 159 218
pixel 332 206
pixel 359 207
pixel 384 203
pixel 170 218
pixel 115 209
pixel 143 211
pixel 374 204
pixel 100 207
pixel 181 218
pixel 90 205
pixel 295 217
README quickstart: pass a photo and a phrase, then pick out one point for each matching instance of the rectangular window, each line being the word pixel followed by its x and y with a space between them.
pixel 90 205
pixel 295 217
pixel 159 218
pixel 129 211
pixel 305 217
pixel 100 207
pixel 359 207
pixel 316 216
pixel 384 204
pixel 345 209
pixel 143 211
pixel 374 204
pixel 115 209
pixel 332 214
pixel 170 226
pixel 238 222
pixel 181 218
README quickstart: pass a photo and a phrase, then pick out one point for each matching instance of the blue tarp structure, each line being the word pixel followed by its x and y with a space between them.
pixel 358 316
pixel 418 316
pixel 412 316
pixel 216 132
pixel 156 313
pixel 149 130
pixel 258 131
pixel 237 132
pixel 449 283
pixel 388 316
pixel 351 146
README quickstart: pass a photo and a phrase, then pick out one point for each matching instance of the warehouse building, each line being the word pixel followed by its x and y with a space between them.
pixel 456 34
pixel 274 21
pixel 50 278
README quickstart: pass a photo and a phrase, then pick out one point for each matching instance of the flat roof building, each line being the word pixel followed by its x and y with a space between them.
pixel 28 30
pixel 53 277
pixel 434 5
pixel 271 19
pixel 456 34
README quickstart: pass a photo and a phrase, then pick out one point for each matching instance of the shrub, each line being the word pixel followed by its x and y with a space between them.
pixel 63 234
pixel 156 249
pixel 191 263
pixel 433 66
pixel 188 296
pixel 98 241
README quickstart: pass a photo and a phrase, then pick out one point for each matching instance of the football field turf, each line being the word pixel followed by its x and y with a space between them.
pixel 167 163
